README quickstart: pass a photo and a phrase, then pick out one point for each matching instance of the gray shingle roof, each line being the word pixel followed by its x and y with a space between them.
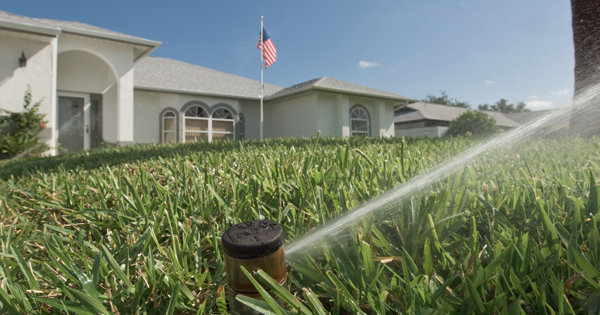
pixel 168 74
pixel 327 83
pixel 66 26
pixel 440 112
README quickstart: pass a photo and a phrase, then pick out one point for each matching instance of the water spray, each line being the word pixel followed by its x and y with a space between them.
pixel 254 245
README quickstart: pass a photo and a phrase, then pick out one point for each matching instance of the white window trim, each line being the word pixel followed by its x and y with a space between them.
pixel 222 119
pixel 185 132
pixel 210 132
pixel 356 132
pixel 164 131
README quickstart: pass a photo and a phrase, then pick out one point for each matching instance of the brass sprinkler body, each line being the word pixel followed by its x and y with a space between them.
pixel 255 245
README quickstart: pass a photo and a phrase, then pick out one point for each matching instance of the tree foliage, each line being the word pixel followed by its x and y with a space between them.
pixel 503 107
pixel 19 130
pixel 472 123
pixel 444 99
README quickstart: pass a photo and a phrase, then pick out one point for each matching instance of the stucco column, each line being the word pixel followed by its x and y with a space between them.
pixel 53 119
pixel 343 116
pixel 125 110
pixel 384 120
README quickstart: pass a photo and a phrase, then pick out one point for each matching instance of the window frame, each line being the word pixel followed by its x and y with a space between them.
pixel 367 120
pixel 232 120
pixel 164 131
pixel 185 119
pixel 161 124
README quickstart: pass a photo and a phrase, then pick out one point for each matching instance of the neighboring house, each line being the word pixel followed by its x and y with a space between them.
pixel 98 85
pixel 432 120
pixel 558 124
pixel 525 117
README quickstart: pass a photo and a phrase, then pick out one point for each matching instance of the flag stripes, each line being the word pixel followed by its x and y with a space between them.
pixel 269 52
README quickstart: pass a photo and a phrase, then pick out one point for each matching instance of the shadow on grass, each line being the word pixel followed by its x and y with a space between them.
pixel 97 158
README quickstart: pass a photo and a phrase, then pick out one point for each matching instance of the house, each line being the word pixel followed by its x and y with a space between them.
pixel 432 120
pixel 98 85
pixel 559 125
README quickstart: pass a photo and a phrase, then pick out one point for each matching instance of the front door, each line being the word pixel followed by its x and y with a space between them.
pixel 73 122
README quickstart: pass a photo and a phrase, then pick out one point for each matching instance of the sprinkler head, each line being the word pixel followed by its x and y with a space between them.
pixel 255 245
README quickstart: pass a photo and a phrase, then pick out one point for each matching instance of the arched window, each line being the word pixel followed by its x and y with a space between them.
pixel 222 125
pixel 359 121
pixel 169 127
pixel 196 124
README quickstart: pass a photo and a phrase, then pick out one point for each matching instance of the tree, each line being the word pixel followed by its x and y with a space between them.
pixel 474 123
pixel 444 99
pixel 503 107
pixel 586 40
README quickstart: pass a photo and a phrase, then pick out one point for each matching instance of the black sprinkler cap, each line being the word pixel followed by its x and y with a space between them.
pixel 252 239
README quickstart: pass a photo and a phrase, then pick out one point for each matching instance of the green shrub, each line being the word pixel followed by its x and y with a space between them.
pixel 19 130
pixel 472 123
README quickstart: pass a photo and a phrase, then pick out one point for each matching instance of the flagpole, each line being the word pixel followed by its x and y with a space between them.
pixel 262 42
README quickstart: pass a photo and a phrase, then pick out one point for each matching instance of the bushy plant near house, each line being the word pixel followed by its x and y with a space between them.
pixel 19 130
pixel 472 123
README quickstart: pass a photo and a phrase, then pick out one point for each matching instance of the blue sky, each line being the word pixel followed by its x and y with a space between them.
pixel 476 50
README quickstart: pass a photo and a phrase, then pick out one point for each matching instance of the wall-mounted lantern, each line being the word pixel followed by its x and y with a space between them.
pixel 23 60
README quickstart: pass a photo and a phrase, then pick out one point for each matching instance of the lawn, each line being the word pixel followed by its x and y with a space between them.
pixel 137 230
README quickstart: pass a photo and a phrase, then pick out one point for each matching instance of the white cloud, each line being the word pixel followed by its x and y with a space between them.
pixel 368 64
pixel 490 82
pixel 532 97
pixel 539 105
pixel 559 92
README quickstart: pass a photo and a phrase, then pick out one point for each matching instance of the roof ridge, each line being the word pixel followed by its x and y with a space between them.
pixel 319 80
pixel 39 20
pixel 208 69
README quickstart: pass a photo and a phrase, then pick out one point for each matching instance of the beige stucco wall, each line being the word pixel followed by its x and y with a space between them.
pixel 386 126
pixel 109 115
pixel 381 113
pixel 80 71
pixel 37 74
pixel 15 79
pixel 294 117
pixel 149 105
pixel 251 111
pixel 328 115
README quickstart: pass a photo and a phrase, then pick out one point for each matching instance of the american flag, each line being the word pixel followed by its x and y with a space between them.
pixel 269 53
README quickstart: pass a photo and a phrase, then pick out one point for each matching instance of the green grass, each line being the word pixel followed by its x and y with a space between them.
pixel 137 230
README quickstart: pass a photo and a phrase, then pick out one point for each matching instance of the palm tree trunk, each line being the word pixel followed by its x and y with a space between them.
pixel 585 119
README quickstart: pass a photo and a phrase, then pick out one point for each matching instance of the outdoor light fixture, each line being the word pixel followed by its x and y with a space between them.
pixel 23 60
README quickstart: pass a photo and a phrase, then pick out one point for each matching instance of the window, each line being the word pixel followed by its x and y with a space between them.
pixel 200 126
pixel 195 124
pixel 169 130
pixel 359 121
pixel 222 124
